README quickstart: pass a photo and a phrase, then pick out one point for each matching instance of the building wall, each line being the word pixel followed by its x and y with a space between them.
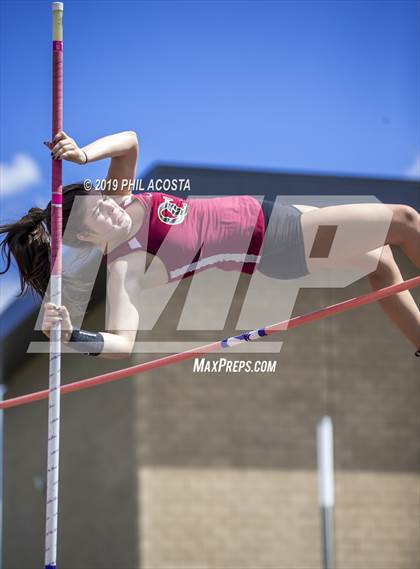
pixel 181 470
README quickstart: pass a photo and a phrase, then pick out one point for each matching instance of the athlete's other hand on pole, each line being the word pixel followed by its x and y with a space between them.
pixel 54 314
pixel 65 148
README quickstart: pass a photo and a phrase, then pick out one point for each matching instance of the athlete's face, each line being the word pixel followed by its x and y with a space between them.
pixel 104 220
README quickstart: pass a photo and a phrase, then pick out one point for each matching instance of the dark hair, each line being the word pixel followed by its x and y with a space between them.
pixel 28 240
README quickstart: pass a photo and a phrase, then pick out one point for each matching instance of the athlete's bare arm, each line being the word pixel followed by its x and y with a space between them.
pixel 122 309
pixel 121 147
pixel 123 167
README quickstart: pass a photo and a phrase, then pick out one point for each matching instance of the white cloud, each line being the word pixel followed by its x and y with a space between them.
pixel 413 171
pixel 18 175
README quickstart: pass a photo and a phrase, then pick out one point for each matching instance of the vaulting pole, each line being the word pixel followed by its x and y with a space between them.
pixel 55 296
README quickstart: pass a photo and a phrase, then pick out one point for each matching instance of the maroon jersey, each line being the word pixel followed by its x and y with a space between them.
pixel 198 233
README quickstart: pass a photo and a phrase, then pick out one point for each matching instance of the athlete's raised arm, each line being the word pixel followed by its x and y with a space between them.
pixel 121 147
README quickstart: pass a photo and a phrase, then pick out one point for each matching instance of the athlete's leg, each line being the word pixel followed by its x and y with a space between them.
pixel 400 308
pixel 383 271
pixel 362 226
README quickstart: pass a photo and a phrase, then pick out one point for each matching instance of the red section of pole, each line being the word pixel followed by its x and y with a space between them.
pixel 56 167
pixel 189 354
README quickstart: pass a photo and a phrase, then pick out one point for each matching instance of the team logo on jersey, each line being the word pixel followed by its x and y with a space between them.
pixel 170 213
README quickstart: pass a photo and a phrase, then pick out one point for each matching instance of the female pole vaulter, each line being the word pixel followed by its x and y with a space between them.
pixel 182 237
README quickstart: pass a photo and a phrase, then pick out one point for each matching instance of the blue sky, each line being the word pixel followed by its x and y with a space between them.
pixel 308 86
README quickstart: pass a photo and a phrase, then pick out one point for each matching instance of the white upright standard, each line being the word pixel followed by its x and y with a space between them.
pixel 325 454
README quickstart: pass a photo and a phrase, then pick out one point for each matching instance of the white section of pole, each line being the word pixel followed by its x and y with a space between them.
pixel 53 435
